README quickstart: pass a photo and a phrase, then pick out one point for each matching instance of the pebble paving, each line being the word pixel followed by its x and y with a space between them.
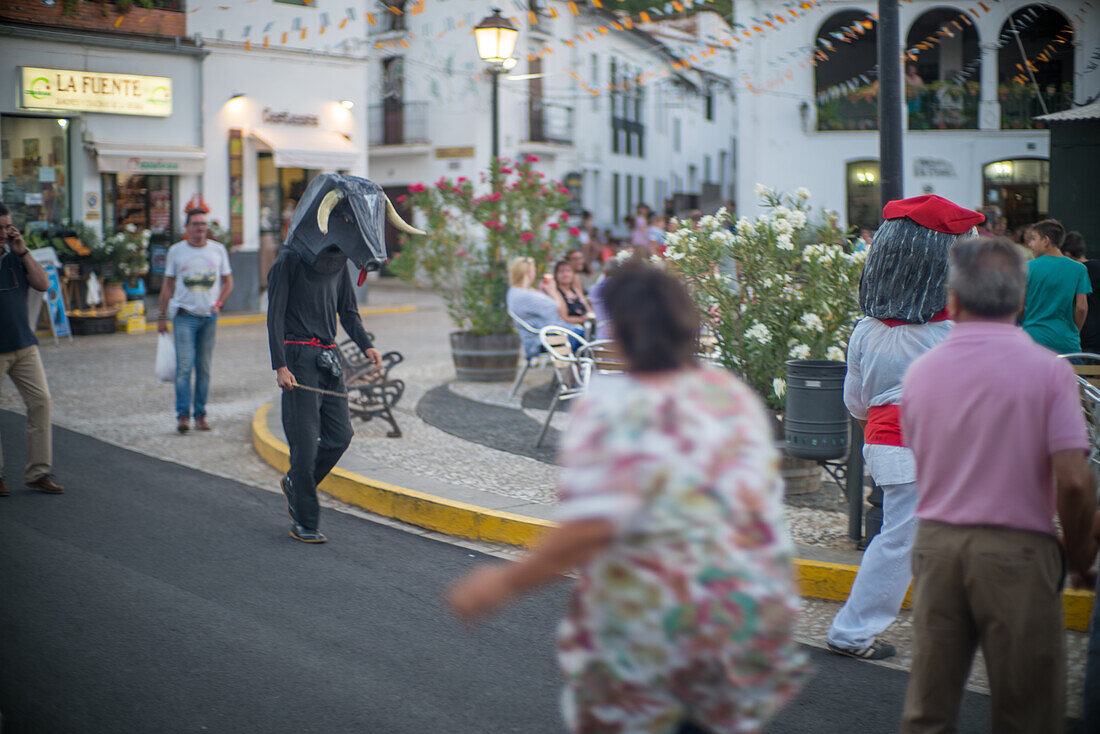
pixel 104 386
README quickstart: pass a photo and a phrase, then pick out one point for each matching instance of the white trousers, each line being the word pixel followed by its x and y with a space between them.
pixel 884 574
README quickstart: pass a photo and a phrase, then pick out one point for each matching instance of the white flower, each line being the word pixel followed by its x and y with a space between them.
pixel 784 226
pixel 674 254
pixel 762 190
pixel 783 241
pixel 779 387
pixel 623 256
pixel 798 218
pixel 707 222
pixel 800 351
pixel 836 354
pixel 745 227
pixel 673 238
pixel 759 333
pixel 802 192
pixel 722 236
pixel 812 322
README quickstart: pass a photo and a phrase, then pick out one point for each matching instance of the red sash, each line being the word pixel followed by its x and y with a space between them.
pixel 314 342
pixel 941 316
pixel 884 426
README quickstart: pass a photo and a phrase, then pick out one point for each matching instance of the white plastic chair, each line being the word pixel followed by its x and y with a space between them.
pixel 605 356
pixel 572 372
pixel 521 326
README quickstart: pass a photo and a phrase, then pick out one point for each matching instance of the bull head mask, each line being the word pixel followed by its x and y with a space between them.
pixel 346 212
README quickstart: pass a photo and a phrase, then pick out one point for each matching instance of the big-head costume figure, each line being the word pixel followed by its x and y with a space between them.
pixel 338 218
pixel 903 293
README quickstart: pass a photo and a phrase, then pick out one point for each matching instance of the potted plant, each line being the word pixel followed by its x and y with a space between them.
pixel 471 239
pixel 123 260
pixel 778 287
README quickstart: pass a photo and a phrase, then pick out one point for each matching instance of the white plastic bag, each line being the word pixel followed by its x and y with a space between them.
pixel 166 358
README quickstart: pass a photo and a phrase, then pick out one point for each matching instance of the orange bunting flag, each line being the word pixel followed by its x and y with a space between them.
pixel 628 22
pixel 303 34
pixel 677 6
pixel 573 7
pixel 248 45
pixel 532 17
pixel 267 43
pixel 591 36
pixel 644 16
pixel 284 37
pixel 321 30
pixel 370 18
pixel 553 11
pixel 769 24
pixel 781 19
pixel 748 34
pixel 984 7
pixel 793 12
pixel 118 21
pixel 343 22
pixel 418 8
pixel 569 43
pixel 603 30
pixel 597 3
pixel 758 29
pixel 616 26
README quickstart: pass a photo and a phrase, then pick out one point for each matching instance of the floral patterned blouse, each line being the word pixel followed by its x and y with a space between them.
pixel 689 613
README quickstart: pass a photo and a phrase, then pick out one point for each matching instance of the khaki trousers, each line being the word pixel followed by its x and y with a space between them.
pixel 1001 589
pixel 24 366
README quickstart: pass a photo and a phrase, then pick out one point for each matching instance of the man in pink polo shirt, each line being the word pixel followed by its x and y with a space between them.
pixel 996 428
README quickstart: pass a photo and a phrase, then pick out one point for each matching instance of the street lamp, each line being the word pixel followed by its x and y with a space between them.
pixel 496 39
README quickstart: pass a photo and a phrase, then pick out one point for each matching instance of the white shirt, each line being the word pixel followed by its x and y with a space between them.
pixel 198 272
pixel 878 356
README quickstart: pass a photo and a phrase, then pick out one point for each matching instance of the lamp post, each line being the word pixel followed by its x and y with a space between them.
pixel 496 39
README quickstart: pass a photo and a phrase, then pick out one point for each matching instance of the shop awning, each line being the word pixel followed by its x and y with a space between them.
pixel 308 147
pixel 151 159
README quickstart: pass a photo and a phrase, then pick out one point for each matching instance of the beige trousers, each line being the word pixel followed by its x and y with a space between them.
pixel 1001 589
pixel 26 371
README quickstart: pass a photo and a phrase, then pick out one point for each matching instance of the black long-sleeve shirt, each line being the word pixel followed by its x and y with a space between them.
pixel 304 304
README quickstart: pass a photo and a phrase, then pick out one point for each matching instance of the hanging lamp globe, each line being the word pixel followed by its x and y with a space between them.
pixel 496 38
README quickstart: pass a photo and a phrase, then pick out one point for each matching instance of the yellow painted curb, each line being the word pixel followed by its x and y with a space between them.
pixel 816 579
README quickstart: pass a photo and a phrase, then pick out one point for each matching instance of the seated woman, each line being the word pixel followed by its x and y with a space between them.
pixel 565 289
pixel 533 306
pixel 671 511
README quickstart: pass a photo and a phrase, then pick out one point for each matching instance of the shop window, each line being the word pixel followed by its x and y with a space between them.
pixel 34 161
pixel 146 202
pixel 1018 190
pixel 864 195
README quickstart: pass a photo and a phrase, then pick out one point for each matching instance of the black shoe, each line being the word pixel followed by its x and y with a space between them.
pixel 875 651
pixel 306 535
pixel 285 484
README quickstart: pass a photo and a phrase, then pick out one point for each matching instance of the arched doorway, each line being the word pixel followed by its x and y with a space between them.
pixel 864 194
pixel 1019 190
pixel 943 71
pixel 1035 66
pixel 846 72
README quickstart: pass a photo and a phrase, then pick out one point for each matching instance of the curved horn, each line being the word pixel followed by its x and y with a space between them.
pixel 332 198
pixel 397 221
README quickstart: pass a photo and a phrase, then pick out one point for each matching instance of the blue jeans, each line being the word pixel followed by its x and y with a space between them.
pixel 194 337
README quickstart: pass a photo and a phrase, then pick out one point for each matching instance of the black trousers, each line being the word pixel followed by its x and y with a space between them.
pixel 317 428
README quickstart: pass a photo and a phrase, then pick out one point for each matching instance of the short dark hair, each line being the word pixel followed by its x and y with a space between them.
pixel 1052 229
pixel 655 321
pixel 988 276
pixel 4 211
pixel 1074 244
pixel 191 213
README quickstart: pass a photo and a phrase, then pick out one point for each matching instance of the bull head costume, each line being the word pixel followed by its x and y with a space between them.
pixel 338 219
pixel 347 213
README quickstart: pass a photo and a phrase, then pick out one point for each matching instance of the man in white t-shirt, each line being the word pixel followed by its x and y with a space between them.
pixel 197 280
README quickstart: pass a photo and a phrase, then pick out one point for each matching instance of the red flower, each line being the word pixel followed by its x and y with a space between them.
pixel 416 188
pixel 442 183
pixel 506 171
pixel 574 231
pixel 563 190
pixel 527 236
pixel 491 223
pixel 460 253
pixel 495 196
pixel 563 216
pixel 553 225
pixel 462 179
pixel 401 198
pixel 531 158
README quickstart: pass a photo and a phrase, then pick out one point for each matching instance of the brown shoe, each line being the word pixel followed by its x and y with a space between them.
pixel 4 491
pixel 201 424
pixel 45 483
pixel 184 424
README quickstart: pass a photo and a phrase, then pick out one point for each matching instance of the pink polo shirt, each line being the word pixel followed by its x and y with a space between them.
pixel 983 412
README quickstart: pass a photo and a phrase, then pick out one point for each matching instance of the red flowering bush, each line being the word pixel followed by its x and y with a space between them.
pixel 471 238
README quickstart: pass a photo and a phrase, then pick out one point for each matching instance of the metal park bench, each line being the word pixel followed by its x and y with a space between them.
pixel 372 396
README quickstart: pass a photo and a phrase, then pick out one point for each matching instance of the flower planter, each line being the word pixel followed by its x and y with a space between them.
pixel 485 357
pixel 113 295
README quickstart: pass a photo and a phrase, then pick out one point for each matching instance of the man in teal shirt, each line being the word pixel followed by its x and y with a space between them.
pixel 1056 306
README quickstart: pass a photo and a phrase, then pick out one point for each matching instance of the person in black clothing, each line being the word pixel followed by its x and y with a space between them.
pixel 338 218
pixel 1073 247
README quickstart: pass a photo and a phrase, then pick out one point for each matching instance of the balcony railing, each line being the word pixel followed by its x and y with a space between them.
pixel 856 110
pixel 398 123
pixel 550 123
pixel 944 106
pixel 1020 106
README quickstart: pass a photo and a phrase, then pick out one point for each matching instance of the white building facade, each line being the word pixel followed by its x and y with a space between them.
pixel 809 107
pixel 607 112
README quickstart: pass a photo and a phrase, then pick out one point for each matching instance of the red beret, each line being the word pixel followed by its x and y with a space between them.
pixel 934 212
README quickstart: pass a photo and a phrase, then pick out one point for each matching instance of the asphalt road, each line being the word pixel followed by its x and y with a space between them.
pixel 156 598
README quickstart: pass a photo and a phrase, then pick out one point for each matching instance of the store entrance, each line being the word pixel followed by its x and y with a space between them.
pixel 147 202
pixel 280 190
pixel 1018 189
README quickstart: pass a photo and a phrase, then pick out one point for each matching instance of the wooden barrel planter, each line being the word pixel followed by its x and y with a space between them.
pixel 485 357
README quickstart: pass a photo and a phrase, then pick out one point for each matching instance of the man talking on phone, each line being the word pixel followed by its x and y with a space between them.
pixel 19 357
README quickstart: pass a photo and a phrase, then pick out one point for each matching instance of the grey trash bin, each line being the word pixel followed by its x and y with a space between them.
pixel 815 424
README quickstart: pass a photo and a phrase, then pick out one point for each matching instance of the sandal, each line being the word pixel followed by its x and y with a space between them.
pixel 877 650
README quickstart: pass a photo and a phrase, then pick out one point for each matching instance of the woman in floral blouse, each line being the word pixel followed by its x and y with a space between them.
pixel 671 511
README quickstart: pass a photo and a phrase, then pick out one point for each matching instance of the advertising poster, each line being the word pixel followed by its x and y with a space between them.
pixel 59 320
